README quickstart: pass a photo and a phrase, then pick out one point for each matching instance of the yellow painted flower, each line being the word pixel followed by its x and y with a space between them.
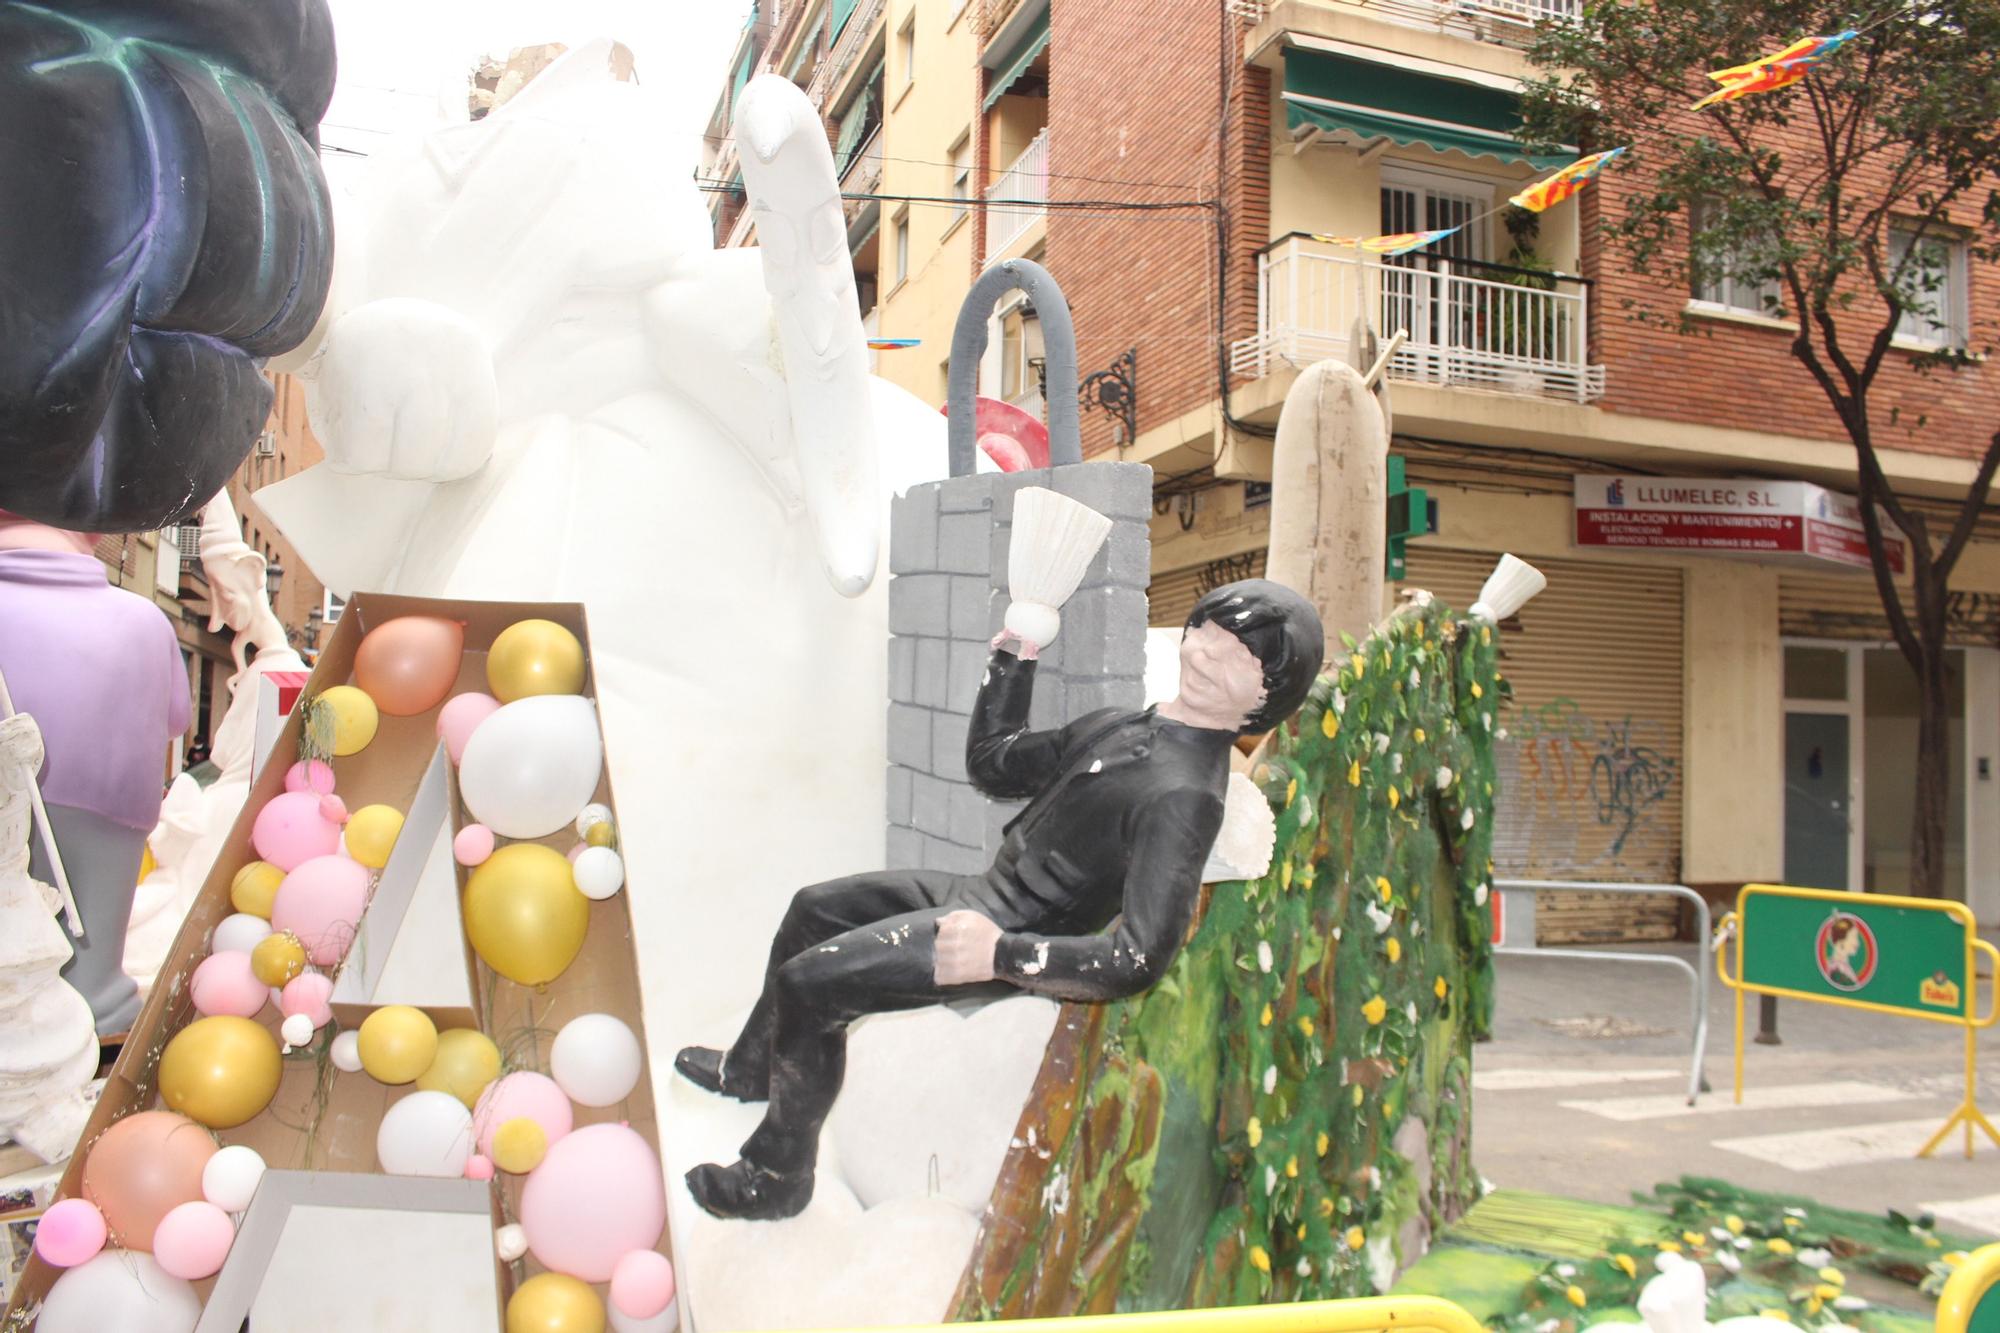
pixel 1624 1264
pixel 1329 724
pixel 1477 692
pixel 1833 1276
pixel 1375 1011
pixel 1254 1131
pixel 1323 1145
pixel 1357 1094
pixel 1933 1243
pixel 1826 1291
pixel 1354 774
pixel 1693 1239
pixel 1326 1207
pixel 1285 875
pixel 1382 889
pixel 1418 735
pixel 1576 1296
pixel 1291 792
pixel 1439 988
pixel 1815 1305
pixel 1955 1258
pixel 1782 1316
pixel 1670 1247
pixel 1305 1025
pixel 1395 798
pixel 1485 636
pixel 1779 1245
pixel 1355 1238
pixel 1734 1223
pixel 1360 665
pixel 1794 1223
pixel 1292 1168
pixel 1395 949
pixel 1259 1260
pixel 1265 1019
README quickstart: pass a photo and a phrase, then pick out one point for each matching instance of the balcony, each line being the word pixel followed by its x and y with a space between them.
pixel 1509 22
pixel 863 176
pixel 1469 327
pixel 1027 183
pixel 855 38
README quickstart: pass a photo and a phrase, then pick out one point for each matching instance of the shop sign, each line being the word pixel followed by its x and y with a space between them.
pixel 1723 516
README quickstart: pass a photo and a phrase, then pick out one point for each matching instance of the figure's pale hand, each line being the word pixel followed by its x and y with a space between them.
pixel 965 946
pixel 1024 649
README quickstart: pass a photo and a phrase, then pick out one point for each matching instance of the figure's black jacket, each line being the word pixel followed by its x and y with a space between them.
pixel 1126 807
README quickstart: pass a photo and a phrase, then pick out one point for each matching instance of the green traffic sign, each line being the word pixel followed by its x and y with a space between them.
pixel 1908 958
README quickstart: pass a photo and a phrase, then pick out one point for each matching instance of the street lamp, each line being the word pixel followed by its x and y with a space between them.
pixel 274 574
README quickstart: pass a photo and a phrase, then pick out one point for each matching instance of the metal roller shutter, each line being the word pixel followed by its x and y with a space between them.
pixel 1815 605
pixel 1170 597
pixel 1590 769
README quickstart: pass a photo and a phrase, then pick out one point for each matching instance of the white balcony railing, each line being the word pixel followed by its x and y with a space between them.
pixel 1466 328
pixel 1507 21
pixel 1026 181
pixel 847 48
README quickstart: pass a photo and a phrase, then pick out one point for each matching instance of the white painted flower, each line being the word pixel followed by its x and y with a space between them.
pixel 1565 1271
pixel 1443 776
pixel 1729 1261
pixel 1411 1010
pixel 1500 735
pixel 1305 1268
pixel 1481 894
pixel 1818 1257
pixel 1374 1177
pixel 1742 1242
pixel 1415 679
pixel 1795 1212
pixel 1381 742
pixel 1336 934
pixel 1339 702
pixel 1270 1179
pixel 1465 821
pixel 1270 1079
pixel 1263 955
pixel 1396 762
pixel 1719 1233
pixel 1849 1303
pixel 1379 918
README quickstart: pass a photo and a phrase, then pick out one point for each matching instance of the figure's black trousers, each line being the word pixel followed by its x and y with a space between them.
pixel 861 945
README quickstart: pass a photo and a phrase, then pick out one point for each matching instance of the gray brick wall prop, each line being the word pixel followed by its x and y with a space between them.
pixel 947 592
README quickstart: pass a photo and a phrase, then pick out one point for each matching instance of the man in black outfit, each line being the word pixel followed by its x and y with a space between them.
pixel 1125 809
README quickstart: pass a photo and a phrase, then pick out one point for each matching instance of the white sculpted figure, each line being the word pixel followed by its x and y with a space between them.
pixel 537 381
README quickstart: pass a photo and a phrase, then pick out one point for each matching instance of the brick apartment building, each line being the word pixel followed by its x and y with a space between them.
pixel 1682 718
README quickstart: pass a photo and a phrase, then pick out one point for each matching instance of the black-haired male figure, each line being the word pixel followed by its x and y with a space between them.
pixel 1125 809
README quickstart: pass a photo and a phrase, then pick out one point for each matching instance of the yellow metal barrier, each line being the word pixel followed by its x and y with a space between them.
pixel 1970 1302
pixel 1371 1314
pixel 1912 957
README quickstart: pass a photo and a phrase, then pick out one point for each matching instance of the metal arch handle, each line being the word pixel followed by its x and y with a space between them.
pixel 1993 993
pixel 968 345
pixel 1725 931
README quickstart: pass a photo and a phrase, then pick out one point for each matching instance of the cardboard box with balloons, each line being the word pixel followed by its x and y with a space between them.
pixel 402 1019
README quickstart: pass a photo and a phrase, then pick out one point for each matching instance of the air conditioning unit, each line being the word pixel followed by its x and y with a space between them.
pixel 267 445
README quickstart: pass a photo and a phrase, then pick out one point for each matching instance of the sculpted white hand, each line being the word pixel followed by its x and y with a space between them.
pixel 965 945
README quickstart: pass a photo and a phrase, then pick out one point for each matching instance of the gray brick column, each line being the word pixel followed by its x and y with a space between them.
pixel 947 593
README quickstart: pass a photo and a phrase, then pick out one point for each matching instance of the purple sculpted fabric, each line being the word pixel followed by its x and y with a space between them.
pixel 100 671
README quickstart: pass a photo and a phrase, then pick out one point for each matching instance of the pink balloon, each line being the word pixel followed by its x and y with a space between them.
pixel 321 902
pixel 310 775
pixel 642 1283
pixel 577 851
pixel 311 994
pixel 224 984
pixel 473 845
pixel 478 1167
pixel 535 1096
pixel 70 1232
pixel 595 1198
pixel 332 809
pixel 290 830
pixel 193 1240
pixel 460 717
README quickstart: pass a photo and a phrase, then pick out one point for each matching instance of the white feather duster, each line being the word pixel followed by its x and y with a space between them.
pixel 1054 540
pixel 1507 589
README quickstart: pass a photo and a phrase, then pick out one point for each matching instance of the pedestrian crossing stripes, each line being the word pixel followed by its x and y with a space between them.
pixel 1792 1097
pixel 1981 1214
pixel 1519 1080
pixel 1850 1145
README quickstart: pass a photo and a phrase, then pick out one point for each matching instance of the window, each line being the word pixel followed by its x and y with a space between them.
pixel 906 48
pixel 1717 270
pixel 1021 352
pixel 901 228
pixel 961 174
pixel 1932 285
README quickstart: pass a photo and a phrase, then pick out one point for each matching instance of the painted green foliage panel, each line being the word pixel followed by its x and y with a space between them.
pixel 1853 949
pixel 1312 1044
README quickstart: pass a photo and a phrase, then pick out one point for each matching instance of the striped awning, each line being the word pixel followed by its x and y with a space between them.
pixel 1376 100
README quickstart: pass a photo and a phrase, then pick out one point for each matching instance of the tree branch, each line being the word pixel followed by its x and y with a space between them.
pixel 1970 509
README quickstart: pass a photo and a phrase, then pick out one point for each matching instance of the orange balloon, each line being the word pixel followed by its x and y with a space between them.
pixel 408 665
pixel 141 1169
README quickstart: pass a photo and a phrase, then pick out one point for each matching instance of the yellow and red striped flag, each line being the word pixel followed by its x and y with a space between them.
pixel 1552 190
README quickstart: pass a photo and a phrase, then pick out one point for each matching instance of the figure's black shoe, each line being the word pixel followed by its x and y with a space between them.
pixel 702 1066
pixel 750 1192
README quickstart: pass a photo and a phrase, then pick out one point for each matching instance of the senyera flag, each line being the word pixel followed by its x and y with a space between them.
pixel 1776 70
pixel 1396 243
pixel 1552 190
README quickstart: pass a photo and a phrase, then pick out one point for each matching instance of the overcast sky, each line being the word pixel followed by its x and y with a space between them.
pixel 404 64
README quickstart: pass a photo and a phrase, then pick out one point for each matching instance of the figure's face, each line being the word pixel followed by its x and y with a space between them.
pixel 1219 674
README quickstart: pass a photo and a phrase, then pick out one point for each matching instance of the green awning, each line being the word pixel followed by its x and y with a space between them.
pixel 1380 101
pixel 843 10
pixel 853 127
pixel 1010 68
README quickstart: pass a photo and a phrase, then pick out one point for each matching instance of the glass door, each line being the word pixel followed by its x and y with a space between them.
pixel 1823 771
pixel 1424 292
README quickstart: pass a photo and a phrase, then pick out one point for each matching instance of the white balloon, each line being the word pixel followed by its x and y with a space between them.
pixel 239 931
pixel 597 812
pixel 121 1289
pixel 666 1321
pixel 231 1176
pixel 297 1030
pixel 425 1134
pixel 346 1051
pixel 532 765
pixel 600 872
pixel 596 1060
pixel 510 1242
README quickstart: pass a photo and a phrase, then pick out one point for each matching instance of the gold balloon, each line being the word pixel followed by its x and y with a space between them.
pixel 600 834
pixel 147 864
pixel 554 1303
pixel 466 1062
pixel 220 1071
pixel 397 1043
pixel 278 958
pixel 255 888
pixel 534 657
pixel 519 1145
pixel 372 832
pixel 524 913
pixel 355 718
